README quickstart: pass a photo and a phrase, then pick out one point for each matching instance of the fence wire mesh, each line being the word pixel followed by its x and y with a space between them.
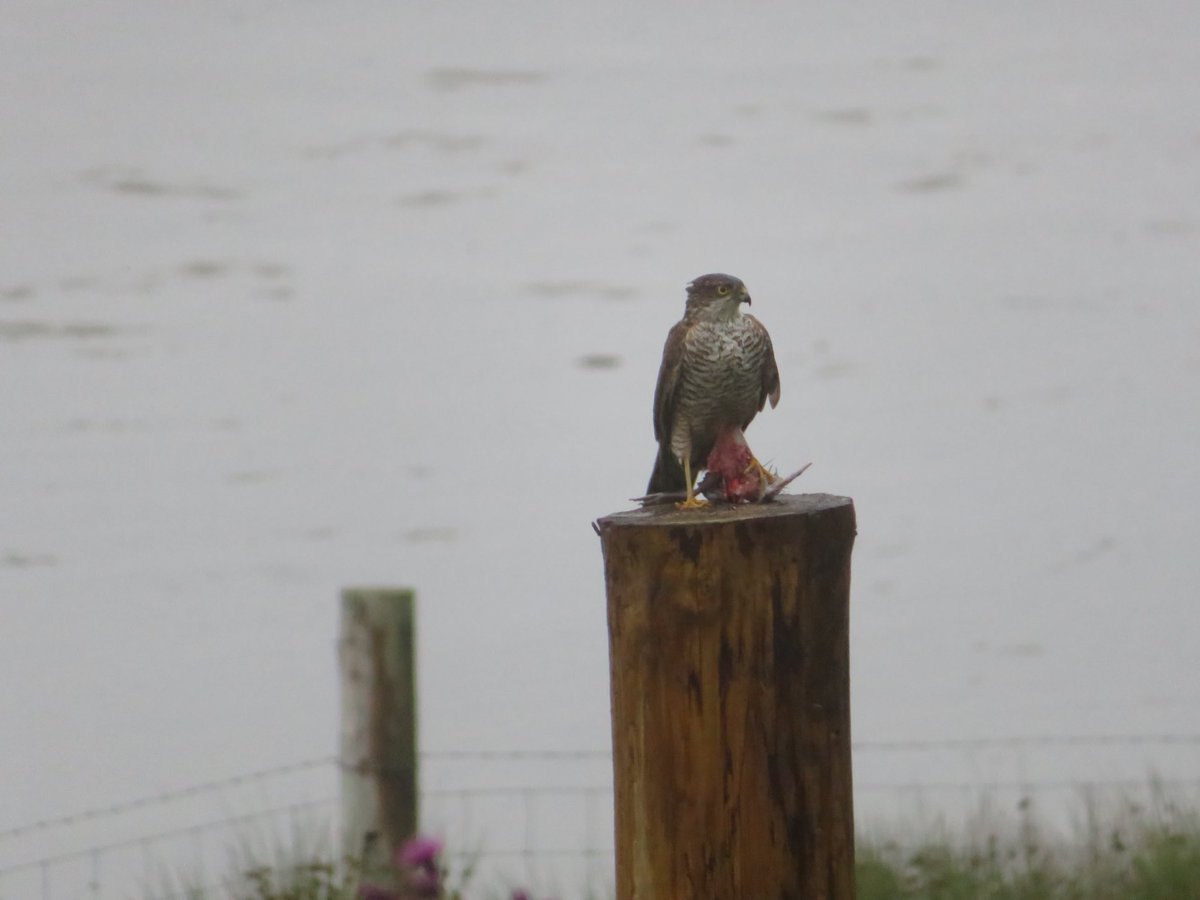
pixel 539 818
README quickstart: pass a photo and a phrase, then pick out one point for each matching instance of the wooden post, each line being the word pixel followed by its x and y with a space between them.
pixel 379 735
pixel 729 648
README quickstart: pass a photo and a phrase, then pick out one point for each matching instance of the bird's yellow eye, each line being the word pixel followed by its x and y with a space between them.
pixel 723 290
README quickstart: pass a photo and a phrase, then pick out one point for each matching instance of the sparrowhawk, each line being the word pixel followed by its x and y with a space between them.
pixel 718 371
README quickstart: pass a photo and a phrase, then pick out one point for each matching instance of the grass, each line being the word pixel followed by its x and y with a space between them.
pixel 1125 851
pixel 1165 865
pixel 1128 852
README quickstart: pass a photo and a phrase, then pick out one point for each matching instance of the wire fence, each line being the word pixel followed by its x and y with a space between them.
pixel 530 817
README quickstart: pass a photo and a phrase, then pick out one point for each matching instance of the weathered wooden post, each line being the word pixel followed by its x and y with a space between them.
pixel 379 724
pixel 729 650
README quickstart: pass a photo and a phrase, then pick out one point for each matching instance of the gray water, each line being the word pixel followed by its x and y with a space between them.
pixel 295 296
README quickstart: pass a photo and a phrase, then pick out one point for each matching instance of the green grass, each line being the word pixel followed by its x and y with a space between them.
pixel 1129 852
pixel 1164 865
pixel 1123 852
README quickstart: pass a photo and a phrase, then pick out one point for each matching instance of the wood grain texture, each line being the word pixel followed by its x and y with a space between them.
pixel 729 649
pixel 379 725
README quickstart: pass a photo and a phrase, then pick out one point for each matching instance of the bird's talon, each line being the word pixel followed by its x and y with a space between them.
pixel 767 476
pixel 692 503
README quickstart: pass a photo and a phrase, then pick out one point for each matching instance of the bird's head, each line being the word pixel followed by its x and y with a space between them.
pixel 716 297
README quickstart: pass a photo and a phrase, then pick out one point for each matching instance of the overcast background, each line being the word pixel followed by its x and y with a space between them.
pixel 296 295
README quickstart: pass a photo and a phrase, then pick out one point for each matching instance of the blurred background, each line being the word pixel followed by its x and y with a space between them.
pixel 296 295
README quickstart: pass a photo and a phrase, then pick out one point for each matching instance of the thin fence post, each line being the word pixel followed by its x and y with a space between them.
pixel 95 882
pixel 379 734
pixel 729 651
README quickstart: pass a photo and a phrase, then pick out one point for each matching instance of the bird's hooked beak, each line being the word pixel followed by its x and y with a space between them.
pixel 744 296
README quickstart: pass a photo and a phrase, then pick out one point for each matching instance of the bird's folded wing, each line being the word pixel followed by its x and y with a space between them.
pixel 668 381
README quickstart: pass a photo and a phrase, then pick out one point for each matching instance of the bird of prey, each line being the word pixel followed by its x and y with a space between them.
pixel 718 371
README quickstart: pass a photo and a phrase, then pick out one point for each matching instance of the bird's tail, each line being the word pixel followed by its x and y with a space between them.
pixel 668 475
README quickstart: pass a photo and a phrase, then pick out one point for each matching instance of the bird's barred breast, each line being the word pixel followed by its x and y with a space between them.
pixel 721 375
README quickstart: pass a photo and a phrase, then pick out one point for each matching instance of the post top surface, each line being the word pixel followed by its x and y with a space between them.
pixel 719 513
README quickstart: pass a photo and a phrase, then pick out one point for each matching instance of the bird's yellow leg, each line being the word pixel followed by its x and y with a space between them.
pixel 692 501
